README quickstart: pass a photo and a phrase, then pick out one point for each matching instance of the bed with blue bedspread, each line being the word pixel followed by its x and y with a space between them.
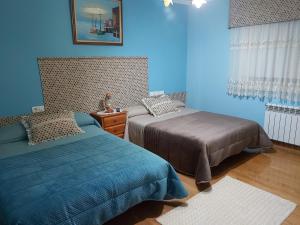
pixel 82 180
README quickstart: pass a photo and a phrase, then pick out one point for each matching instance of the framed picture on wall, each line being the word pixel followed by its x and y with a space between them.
pixel 97 22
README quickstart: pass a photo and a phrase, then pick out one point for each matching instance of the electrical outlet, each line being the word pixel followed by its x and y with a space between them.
pixel 37 109
pixel 156 93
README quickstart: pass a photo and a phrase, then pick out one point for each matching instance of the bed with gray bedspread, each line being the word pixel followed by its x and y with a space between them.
pixel 194 141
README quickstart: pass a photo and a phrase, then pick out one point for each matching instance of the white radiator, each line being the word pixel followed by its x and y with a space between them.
pixel 282 123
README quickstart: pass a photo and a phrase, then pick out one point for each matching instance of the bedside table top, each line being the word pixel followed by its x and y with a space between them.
pixel 102 114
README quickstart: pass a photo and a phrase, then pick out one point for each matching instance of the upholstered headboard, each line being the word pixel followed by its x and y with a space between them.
pixel 79 84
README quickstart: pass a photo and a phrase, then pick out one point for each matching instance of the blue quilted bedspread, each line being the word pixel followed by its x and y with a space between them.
pixel 85 182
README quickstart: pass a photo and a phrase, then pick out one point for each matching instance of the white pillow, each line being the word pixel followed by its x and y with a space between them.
pixel 137 110
pixel 179 104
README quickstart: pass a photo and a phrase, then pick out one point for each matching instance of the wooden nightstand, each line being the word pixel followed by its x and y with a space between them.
pixel 113 123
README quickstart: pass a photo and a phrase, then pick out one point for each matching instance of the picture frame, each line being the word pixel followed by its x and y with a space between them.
pixel 97 22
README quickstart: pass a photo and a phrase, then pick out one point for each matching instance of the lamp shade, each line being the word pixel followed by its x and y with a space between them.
pixel 198 3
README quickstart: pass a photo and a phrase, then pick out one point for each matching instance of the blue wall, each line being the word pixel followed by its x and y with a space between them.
pixel 208 64
pixel 32 28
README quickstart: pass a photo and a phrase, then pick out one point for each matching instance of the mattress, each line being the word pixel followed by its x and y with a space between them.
pixel 85 179
pixel 136 125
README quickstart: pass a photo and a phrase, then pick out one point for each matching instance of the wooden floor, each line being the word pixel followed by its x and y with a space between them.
pixel 276 171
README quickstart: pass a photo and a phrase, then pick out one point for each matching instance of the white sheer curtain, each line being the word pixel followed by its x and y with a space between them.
pixel 265 61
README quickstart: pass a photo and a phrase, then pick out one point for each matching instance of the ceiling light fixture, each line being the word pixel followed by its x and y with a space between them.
pixel 196 3
pixel 167 3
pixel 199 3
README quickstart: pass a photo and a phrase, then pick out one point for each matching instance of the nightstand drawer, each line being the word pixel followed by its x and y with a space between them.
pixel 119 129
pixel 114 120
pixel 120 135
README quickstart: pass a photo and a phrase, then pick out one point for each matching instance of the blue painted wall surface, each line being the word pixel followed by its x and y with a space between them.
pixel 208 64
pixel 32 28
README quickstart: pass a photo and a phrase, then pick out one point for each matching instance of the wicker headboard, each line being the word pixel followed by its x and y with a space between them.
pixel 79 84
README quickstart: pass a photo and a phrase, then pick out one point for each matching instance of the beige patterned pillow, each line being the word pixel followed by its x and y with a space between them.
pixel 159 105
pixel 44 127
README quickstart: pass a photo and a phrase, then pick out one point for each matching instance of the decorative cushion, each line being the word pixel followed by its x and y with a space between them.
pixel 159 105
pixel 43 127
pixel 137 110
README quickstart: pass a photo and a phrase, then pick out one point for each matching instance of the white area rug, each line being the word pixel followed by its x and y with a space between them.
pixel 231 202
